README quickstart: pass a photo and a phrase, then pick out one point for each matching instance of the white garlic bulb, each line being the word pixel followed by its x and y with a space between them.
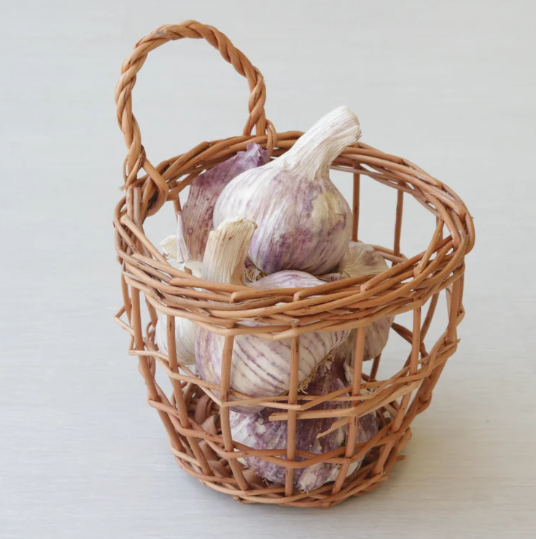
pixel 260 367
pixel 304 222
pixel 178 256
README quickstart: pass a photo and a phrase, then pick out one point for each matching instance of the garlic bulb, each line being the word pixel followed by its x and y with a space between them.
pixel 260 367
pixel 358 260
pixel 258 432
pixel 198 211
pixel 303 221
pixel 178 256
pixel 362 259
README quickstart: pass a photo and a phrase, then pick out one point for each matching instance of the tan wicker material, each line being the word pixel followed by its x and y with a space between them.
pixel 196 414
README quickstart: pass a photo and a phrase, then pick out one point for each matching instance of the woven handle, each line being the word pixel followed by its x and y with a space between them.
pixel 136 158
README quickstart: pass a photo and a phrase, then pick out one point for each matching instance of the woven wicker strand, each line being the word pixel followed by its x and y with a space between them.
pixel 196 414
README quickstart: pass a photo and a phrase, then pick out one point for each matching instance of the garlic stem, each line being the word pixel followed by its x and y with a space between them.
pixel 226 251
pixel 314 151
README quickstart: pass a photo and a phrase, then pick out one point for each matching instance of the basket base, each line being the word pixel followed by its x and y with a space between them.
pixel 321 498
pixel 203 414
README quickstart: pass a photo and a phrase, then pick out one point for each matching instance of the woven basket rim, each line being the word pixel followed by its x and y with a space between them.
pixel 370 297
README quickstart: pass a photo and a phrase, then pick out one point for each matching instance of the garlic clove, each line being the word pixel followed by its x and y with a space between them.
pixel 204 191
pixel 303 221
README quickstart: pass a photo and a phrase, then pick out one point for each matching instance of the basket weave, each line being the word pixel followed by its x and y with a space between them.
pixel 195 418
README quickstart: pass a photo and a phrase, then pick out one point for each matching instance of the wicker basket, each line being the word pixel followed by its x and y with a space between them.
pixel 195 418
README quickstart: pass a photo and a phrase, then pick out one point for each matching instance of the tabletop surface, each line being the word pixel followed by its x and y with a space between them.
pixel 448 85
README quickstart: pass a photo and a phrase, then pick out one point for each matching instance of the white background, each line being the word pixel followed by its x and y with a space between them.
pixel 449 85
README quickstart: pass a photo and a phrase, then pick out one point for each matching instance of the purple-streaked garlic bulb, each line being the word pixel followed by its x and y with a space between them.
pixel 260 366
pixel 178 256
pixel 304 222
pixel 198 211
pixel 362 259
pixel 258 432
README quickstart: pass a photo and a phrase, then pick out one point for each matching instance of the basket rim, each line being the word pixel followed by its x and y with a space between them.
pixel 403 287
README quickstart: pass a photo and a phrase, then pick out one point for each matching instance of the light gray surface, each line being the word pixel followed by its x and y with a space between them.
pixel 449 85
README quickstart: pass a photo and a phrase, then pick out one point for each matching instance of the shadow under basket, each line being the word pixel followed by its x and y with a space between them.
pixel 196 413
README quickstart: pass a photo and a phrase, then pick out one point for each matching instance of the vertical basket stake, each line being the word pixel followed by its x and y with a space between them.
pixel 146 370
pixel 152 313
pixel 291 421
pixel 455 301
pixel 413 365
pixel 454 309
pixel 398 222
pixel 374 368
pixel 126 299
pixel 225 411
pixel 355 205
pixel 177 205
pixel 356 387
pixel 179 396
pixel 429 315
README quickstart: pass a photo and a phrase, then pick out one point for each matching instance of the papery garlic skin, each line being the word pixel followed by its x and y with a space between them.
pixel 362 259
pixel 253 273
pixel 224 260
pixel 198 210
pixel 260 366
pixel 304 222
pixel 358 260
pixel 178 256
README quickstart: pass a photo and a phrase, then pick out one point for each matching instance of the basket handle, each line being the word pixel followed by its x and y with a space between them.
pixel 136 158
